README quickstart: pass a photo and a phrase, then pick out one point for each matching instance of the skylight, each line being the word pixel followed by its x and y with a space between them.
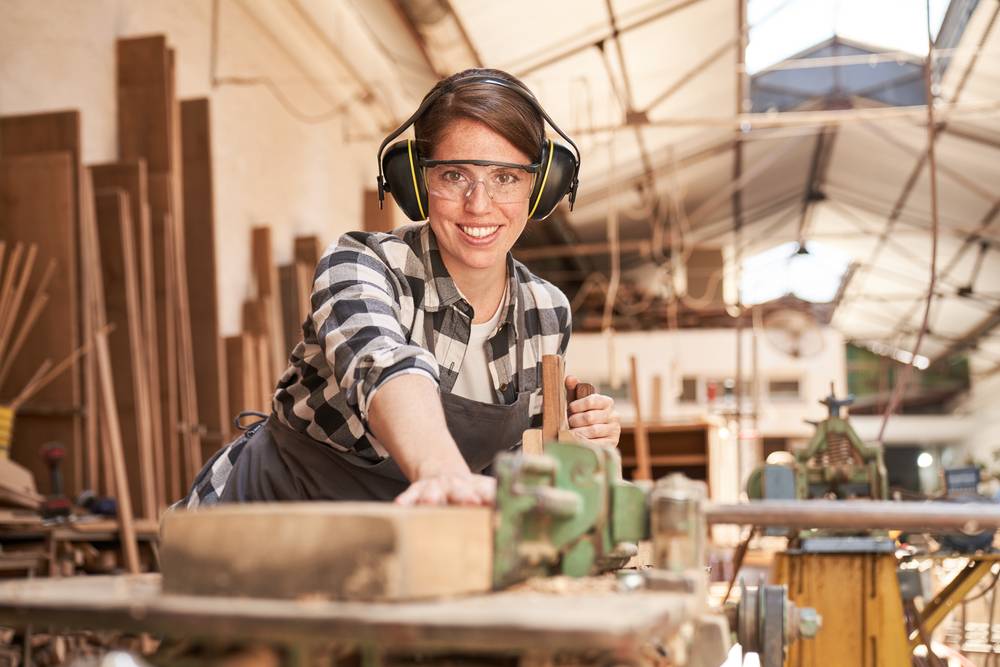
pixel 781 28
pixel 812 274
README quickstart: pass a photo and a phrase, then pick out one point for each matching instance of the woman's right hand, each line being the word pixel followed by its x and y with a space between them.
pixel 460 488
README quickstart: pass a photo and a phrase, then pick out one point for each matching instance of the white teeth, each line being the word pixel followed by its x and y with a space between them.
pixel 479 232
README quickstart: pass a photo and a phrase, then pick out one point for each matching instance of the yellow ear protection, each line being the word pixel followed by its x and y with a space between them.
pixel 399 165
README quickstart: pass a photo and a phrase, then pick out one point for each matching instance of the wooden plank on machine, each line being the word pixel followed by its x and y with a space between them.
pixel 52 132
pixel 38 205
pixel 199 239
pixel 409 552
pixel 128 354
pixel 131 177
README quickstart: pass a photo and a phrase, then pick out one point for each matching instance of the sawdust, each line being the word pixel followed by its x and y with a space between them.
pixel 562 585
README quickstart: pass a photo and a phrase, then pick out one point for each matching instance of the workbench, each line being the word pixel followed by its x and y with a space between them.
pixel 620 626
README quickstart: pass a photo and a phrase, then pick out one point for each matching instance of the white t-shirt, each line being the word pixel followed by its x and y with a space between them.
pixel 474 380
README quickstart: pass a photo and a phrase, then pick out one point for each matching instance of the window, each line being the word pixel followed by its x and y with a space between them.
pixel 784 390
pixel 689 390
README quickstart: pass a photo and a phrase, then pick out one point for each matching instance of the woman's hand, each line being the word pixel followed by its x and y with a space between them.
pixel 450 489
pixel 593 418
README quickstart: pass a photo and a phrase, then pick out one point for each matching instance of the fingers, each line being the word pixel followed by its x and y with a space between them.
pixel 592 402
pixel 592 417
pixel 599 432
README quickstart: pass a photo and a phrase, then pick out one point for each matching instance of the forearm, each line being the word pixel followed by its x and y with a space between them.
pixel 407 418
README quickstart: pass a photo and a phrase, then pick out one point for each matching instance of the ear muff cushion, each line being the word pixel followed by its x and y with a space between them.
pixel 553 180
pixel 405 179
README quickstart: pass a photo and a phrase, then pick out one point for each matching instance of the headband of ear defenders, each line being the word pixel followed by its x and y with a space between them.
pixel 400 173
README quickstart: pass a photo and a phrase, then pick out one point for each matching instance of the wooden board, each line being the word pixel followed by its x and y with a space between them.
pixel 268 298
pixel 308 250
pixel 37 205
pixel 296 289
pixel 381 551
pixel 129 355
pixel 145 128
pixel 199 239
pixel 509 622
pixel 553 397
pixel 375 219
pixel 52 132
pixel 131 177
pixel 241 373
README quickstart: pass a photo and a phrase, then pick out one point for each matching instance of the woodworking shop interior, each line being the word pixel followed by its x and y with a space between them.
pixel 737 403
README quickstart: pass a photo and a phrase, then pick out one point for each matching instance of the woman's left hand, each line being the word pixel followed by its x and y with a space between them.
pixel 593 418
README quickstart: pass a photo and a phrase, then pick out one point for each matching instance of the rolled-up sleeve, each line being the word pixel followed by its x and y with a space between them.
pixel 357 316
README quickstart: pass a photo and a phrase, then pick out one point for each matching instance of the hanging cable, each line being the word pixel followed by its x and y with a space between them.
pixel 904 377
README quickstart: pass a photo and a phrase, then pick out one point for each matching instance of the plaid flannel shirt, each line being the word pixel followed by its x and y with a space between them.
pixel 371 293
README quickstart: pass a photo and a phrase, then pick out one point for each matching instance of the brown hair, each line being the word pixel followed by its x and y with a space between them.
pixel 502 110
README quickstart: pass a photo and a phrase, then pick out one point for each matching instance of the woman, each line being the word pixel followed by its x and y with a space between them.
pixel 422 357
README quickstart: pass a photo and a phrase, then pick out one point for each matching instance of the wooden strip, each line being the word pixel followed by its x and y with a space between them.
pixel 553 397
pixel 265 380
pixel 128 352
pixel 308 250
pixel 643 469
pixel 376 219
pixel 657 412
pixel 266 276
pixel 295 292
pixel 240 373
pixel 110 426
pixel 47 133
pixel 131 177
pixel 38 205
pixel 199 237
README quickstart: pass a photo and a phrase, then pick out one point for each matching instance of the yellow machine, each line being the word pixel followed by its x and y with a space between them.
pixel 840 558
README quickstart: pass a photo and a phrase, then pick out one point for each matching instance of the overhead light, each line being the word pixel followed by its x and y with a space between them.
pixel 925 460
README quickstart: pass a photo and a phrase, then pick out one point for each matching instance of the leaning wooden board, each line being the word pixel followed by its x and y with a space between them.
pixel 339 551
pixel 47 133
pixel 119 267
pixel 37 205
pixel 510 622
pixel 199 239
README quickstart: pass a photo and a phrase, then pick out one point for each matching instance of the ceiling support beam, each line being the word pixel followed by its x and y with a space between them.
pixel 580 48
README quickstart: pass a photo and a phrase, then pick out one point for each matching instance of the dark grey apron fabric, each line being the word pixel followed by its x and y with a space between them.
pixel 281 464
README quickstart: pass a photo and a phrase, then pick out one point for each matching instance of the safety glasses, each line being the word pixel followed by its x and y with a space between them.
pixel 455 180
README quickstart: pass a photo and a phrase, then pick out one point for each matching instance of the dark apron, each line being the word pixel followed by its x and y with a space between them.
pixel 281 464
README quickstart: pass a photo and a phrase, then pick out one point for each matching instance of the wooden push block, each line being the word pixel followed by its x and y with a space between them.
pixel 339 551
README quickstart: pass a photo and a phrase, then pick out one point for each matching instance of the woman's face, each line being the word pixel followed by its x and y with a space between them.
pixel 475 232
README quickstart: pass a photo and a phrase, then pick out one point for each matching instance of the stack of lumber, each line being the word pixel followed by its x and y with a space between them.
pixel 109 337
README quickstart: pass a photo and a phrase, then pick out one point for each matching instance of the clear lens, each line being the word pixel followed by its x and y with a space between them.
pixel 455 182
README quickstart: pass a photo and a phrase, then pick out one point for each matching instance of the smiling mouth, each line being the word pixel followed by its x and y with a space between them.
pixel 479 232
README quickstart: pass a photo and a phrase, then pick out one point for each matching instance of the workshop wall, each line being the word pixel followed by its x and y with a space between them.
pixel 983 440
pixel 710 354
pixel 269 167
